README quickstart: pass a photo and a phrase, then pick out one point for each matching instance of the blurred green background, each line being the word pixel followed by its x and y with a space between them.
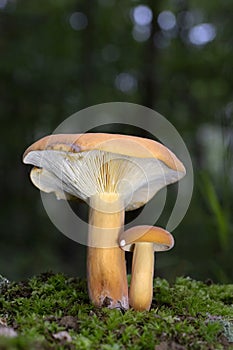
pixel 60 56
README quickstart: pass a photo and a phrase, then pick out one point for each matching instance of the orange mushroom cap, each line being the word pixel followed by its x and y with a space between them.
pixel 162 240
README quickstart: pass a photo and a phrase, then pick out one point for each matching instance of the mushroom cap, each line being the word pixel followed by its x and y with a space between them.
pixel 81 165
pixel 162 240
pixel 128 145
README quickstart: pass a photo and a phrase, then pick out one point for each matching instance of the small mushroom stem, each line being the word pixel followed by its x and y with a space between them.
pixel 106 267
pixel 141 286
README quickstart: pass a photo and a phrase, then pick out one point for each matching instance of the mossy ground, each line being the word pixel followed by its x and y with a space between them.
pixel 185 315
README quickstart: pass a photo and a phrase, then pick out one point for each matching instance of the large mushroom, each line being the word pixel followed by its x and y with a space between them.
pixel 144 241
pixel 112 173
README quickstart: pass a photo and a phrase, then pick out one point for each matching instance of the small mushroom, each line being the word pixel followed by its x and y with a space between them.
pixel 112 173
pixel 144 241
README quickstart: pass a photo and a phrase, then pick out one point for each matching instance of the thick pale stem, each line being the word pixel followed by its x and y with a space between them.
pixel 141 286
pixel 106 268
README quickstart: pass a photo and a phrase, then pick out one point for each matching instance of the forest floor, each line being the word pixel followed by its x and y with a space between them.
pixel 52 311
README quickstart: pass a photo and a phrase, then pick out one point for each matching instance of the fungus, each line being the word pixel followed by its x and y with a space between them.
pixel 144 241
pixel 112 173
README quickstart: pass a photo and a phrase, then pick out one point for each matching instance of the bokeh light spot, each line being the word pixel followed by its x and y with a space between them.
pixel 166 20
pixel 78 21
pixel 141 33
pixel 201 34
pixel 126 82
pixel 142 15
pixel 3 4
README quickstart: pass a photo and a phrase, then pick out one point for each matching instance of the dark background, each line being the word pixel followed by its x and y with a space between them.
pixel 60 56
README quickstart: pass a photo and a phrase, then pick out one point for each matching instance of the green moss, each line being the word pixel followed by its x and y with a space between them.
pixel 186 315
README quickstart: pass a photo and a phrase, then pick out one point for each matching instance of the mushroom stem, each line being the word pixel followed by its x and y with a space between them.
pixel 106 268
pixel 141 286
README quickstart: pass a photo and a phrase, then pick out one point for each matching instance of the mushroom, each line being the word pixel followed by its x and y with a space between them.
pixel 144 241
pixel 112 173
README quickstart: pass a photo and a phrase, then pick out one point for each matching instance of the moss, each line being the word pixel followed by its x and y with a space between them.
pixel 185 315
